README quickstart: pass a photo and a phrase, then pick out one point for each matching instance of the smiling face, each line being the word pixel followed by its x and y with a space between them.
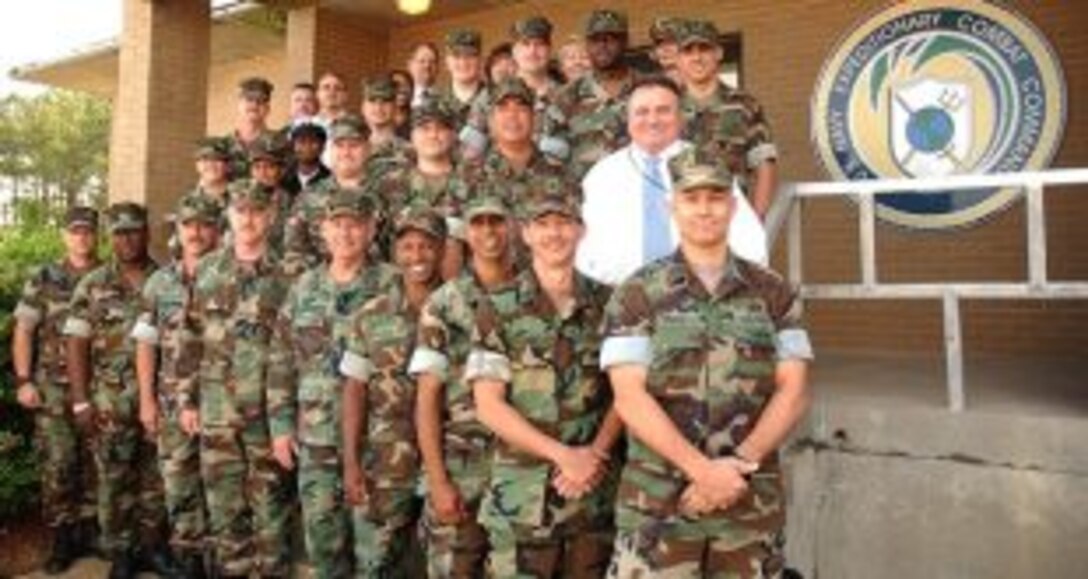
pixel 653 118
pixel 130 245
pixel 488 237
pixel 432 140
pixel 699 62
pixel 702 216
pixel 531 55
pixel 347 236
pixel 417 254
pixel 511 121
pixel 553 239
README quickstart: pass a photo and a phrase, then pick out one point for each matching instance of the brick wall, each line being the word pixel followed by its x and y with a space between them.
pixel 784 45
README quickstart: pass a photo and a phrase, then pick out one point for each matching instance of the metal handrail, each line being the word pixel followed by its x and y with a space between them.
pixel 786 214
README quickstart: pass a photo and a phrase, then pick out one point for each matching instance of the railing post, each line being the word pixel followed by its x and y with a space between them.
pixel 953 351
pixel 1037 266
pixel 867 240
pixel 793 243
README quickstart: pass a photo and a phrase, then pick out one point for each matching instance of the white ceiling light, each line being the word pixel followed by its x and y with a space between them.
pixel 414 7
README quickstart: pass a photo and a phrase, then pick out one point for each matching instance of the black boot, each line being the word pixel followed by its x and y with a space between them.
pixel 190 565
pixel 85 538
pixel 159 560
pixel 64 550
pixel 123 565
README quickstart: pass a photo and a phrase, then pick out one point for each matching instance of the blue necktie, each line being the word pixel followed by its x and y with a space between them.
pixel 656 236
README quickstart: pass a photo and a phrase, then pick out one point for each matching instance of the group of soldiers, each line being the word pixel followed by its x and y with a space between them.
pixel 398 348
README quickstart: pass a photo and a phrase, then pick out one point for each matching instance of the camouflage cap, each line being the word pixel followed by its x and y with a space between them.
pixel 463 41
pixel 307 128
pixel 268 147
pixel 126 216
pixel 81 216
pixel 553 202
pixel 485 205
pixel 202 208
pixel 433 110
pixel 349 127
pixel 666 30
pixel 532 27
pixel 693 169
pixel 256 88
pixel 698 32
pixel 379 88
pixel 350 202
pixel 212 148
pixel 247 192
pixel 512 87
pixel 606 22
pixel 422 219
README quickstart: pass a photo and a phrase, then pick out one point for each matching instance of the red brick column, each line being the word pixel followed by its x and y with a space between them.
pixel 161 104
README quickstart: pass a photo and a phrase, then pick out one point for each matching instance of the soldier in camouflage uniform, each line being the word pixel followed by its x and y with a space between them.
pixel 212 169
pixel 537 385
pixel 41 377
pixel 304 247
pixel 304 382
pixel 157 333
pixel 267 157
pixel 105 398
pixel 387 150
pixel 728 124
pixel 251 124
pixel 708 360
pixel 454 445
pixel 532 47
pixel 664 33
pixel 381 460
pixel 223 359
pixel 513 164
pixel 593 109
pixel 430 182
pixel 466 70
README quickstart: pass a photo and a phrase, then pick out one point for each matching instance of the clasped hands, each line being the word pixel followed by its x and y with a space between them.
pixel 579 469
pixel 716 486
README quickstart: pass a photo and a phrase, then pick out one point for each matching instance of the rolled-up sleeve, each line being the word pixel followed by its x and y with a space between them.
pixel 487 365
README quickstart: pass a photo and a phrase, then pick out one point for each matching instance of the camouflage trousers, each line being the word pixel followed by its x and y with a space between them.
pixel 67 464
pixel 458 551
pixel 179 459
pixel 382 532
pixel 528 553
pixel 741 555
pixel 130 490
pixel 249 500
pixel 326 519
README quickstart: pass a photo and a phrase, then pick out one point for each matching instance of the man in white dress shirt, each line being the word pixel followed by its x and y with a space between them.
pixel 625 195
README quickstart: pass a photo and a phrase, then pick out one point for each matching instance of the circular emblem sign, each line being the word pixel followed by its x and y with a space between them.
pixel 933 88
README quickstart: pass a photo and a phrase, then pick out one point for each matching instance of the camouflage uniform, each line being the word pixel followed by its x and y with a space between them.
pixel 462 42
pixel 224 355
pixel 594 122
pixel 382 338
pixel 730 126
pixel 550 363
pixel 162 312
pixel 396 152
pixel 493 175
pixel 304 397
pixel 160 324
pixel 406 188
pixel 443 345
pixel 67 468
pixel 130 494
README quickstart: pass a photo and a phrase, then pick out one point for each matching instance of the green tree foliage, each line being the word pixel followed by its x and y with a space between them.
pixel 54 146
